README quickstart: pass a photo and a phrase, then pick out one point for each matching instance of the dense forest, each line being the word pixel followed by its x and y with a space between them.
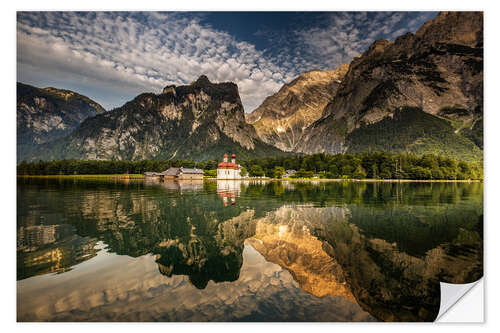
pixel 358 166
pixel 410 130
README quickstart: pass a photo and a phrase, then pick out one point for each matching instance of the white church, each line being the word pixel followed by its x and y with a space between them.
pixel 228 170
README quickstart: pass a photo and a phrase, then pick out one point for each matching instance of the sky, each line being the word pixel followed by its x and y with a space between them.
pixel 112 57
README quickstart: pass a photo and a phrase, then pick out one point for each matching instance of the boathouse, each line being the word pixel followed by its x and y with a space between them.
pixel 182 173
pixel 171 173
pixel 152 175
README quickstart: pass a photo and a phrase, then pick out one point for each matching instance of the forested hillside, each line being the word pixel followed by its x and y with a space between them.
pixel 410 130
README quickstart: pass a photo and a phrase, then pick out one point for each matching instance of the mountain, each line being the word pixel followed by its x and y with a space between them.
pixel 422 93
pixel 438 70
pixel 200 121
pixel 47 114
pixel 283 117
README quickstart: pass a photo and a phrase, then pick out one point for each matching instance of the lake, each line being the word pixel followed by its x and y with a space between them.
pixel 104 250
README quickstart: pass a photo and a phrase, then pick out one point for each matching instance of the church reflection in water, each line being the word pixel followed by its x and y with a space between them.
pixel 228 190
pixel 268 252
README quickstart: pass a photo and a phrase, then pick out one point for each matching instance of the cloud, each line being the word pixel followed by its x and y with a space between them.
pixel 340 36
pixel 129 53
pixel 113 56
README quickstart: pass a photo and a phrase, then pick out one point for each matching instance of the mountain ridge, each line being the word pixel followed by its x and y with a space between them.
pixel 431 70
pixel 282 117
pixel 45 114
pixel 202 120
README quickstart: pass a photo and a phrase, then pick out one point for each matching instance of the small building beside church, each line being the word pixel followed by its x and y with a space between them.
pixel 182 173
pixel 228 170
pixel 170 173
pixel 190 173
pixel 152 175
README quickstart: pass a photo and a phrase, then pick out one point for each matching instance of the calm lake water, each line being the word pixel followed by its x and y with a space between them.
pixel 243 251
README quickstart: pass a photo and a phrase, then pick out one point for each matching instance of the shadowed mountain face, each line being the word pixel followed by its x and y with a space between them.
pixel 439 70
pixel 283 117
pixel 377 250
pixel 49 113
pixel 199 121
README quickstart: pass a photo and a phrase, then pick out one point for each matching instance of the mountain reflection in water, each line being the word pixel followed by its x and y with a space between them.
pixel 243 251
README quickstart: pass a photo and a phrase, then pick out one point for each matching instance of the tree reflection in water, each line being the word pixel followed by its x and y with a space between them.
pixel 381 246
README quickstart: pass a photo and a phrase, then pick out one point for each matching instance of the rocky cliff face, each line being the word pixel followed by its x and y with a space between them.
pixel 49 113
pixel 200 121
pixel 439 69
pixel 283 117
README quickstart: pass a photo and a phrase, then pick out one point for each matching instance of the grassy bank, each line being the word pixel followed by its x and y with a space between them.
pixel 112 176
pixel 326 180
pixel 322 180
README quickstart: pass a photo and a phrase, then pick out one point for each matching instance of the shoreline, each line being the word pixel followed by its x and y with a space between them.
pixel 326 180
pixel 142 177
pixel 112 176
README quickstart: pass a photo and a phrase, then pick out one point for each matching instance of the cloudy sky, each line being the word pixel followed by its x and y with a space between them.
pixel 111 56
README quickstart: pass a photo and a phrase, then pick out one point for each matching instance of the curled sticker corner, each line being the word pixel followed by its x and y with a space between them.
pixel 451 295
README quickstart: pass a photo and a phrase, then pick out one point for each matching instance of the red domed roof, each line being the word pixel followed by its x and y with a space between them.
pixel 227 165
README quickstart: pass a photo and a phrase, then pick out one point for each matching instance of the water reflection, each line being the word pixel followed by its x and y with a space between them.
pixel 50 249
pixel 186 185
pixel 369 251
pixel 228 190
pixel 390 284
pixel 215 255
pixel 291 245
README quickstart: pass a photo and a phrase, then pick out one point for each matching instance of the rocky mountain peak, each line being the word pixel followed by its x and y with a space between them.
pixel 405 40
pixel 169 89
pixel 223 91
pixel 438 70
pixel 316 75
pixel 202 81
pixel 201 121
pixel 463 28
pixel 282 118
pixel 45 114
pixel 377 47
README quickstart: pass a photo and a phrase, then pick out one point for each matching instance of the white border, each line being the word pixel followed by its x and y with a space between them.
pixel 7 132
